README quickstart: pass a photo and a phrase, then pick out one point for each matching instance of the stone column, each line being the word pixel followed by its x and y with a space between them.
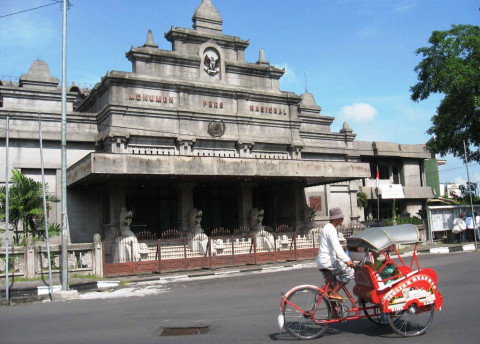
pixel 185 204
pixel 355 211
pixel 244 201
pixel 97 256
pixel 116 201
pixel 298 204
pixel 30 255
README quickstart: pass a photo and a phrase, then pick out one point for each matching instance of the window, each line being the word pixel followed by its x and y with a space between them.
pixel 383 169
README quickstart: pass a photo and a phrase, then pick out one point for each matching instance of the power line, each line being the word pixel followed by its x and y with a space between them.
pixel 31 9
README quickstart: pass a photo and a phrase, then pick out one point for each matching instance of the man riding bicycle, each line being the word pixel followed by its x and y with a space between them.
pixel 331 255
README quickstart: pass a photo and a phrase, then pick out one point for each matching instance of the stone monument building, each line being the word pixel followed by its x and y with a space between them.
pixel 196 126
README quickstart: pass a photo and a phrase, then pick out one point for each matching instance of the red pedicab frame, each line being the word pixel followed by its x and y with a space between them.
pixel 405 300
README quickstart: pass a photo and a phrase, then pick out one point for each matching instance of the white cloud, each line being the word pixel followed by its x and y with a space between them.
pixel 404 7
pixel 367 32
pixel 358 112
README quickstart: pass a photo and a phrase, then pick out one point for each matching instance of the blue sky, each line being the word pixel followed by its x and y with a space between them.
pixel 357 55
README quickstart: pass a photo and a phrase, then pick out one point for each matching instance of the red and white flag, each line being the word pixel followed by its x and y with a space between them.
pixel 377 181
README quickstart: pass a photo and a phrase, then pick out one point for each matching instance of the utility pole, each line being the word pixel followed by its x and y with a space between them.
pixel 64 265
pixel 470 193
pixel 7 224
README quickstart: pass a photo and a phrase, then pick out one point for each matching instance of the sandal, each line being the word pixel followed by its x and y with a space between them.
pixel 337 298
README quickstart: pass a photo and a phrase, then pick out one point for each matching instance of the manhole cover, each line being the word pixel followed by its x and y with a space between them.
pixel 182 331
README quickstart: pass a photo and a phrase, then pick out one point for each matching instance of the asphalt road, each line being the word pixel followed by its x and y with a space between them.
pixel 236 309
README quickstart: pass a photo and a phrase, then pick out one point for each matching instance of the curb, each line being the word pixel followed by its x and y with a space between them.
pixel 440 250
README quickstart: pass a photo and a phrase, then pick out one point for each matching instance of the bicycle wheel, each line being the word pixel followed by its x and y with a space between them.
pixel 304 311
pixel 413 321
pixel 380 319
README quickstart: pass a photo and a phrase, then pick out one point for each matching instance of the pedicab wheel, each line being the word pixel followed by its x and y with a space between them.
pixel 380 319
pixel 413 321
pixel 304 311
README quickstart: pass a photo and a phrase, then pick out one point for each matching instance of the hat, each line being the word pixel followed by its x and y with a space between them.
pixel 336 213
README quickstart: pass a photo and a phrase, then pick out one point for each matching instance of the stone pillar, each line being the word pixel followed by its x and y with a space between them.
pixel 355 211
pixel 30 255
pixel 116 201
pixel 244 201
pixel 185 204
pixel 97 256
pixel 298 203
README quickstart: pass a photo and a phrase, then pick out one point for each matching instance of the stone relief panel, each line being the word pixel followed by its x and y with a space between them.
pixel 216 128
pixel 211 61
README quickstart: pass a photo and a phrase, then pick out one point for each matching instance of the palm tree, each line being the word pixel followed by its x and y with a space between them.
pixel 25 206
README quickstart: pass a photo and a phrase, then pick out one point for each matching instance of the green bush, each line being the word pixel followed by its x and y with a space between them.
pixel 403 220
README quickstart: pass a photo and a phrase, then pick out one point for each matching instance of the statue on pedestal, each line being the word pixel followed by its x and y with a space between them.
pixel 126 245
pixel 256 218
pixel 195 221
pixel 198 240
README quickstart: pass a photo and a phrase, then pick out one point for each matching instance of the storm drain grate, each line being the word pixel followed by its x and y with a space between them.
pixel 183 331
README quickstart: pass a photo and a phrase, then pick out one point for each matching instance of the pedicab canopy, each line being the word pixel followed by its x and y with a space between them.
pixel 379 238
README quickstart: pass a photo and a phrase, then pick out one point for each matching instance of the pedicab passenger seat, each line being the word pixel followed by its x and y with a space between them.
pixel 369 284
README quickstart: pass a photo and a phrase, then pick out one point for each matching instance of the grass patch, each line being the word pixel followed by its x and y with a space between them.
pixel 122 284
pixel 89 276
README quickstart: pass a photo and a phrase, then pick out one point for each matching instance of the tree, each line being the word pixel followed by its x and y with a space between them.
pixel 25 206
pixel 469 191
pixel 451 66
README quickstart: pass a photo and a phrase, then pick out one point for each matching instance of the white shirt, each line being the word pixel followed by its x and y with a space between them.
pixel 477 221
pixel 329 248
pixel 460 223
pixel 469 222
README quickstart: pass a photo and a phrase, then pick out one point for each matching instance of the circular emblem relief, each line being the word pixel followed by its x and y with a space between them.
pixel 211 61
pixel 216 128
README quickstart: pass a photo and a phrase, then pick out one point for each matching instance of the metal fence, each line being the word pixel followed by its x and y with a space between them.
pixel 174 250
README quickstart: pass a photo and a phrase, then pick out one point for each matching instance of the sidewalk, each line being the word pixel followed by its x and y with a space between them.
pixel 28 291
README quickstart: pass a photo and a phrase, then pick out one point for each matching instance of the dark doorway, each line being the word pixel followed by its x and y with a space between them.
pixel 218 203
pixel 154 207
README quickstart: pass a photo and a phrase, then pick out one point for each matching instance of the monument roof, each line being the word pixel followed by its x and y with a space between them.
pixel 38 76
pixel 207 18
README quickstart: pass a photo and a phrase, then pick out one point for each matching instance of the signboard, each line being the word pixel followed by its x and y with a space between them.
pixel 442 220
pixel 392 191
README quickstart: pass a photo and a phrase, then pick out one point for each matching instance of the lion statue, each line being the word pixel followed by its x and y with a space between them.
pixel 256 218
pixel 126 245
pixel 309 214
pixel 195 221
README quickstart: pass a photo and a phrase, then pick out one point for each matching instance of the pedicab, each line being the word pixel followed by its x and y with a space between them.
pixel 388 291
